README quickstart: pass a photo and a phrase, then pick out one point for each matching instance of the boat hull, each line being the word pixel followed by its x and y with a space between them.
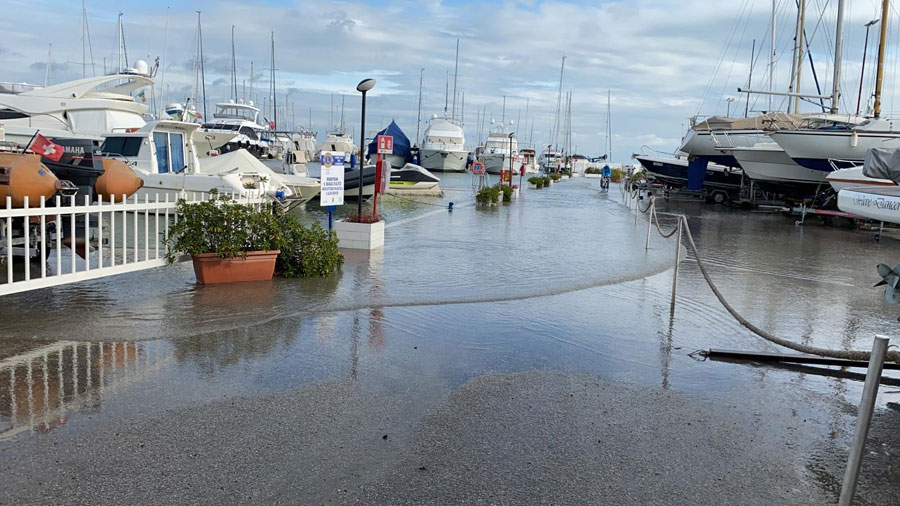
pixel 853 178
pixel 493 164
pixel 819 149
pixel 775 166
pixel 674 172
pixel 709 144
pixel 436 160
pixel 880 204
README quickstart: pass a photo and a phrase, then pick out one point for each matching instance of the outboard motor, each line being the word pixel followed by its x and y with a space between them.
pixel 80 164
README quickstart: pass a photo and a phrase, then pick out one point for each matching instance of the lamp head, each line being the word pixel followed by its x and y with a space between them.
pixel 365 85
pixel 870 23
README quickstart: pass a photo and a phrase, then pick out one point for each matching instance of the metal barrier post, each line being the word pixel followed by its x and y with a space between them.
pixel 677 259
pixel 863 419
pixel 650 222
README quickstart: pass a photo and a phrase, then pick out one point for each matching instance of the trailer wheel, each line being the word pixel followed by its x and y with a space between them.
pixel 719 197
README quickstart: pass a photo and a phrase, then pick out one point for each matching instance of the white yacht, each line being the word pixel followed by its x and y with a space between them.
pixel 550 160
pixel 767 162
pixel 443 147
pixel 500 150
pixel 242 120
pixel 84 108
pixel 528 159
pixel 164 155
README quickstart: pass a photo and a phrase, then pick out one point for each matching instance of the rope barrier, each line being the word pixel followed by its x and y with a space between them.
pixel 893 356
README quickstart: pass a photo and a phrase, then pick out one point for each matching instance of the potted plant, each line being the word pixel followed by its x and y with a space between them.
pixel 555 177
pixel 548 181
pixel 487 196
pixel 535 183
pixel 228 241
pixel 357 231
pixel 592 172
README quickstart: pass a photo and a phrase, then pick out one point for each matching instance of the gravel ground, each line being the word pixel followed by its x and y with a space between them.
pixel 525 438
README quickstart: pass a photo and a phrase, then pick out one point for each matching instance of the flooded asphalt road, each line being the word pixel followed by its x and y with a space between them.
pixel 518 355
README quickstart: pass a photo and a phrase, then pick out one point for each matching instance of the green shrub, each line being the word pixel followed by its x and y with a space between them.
pixel 555 176
pixel 507 193
pixel 592 170
pixel 617 175
pixel 307 251
pixel 535 180
pixel 546 181
pixel 487 195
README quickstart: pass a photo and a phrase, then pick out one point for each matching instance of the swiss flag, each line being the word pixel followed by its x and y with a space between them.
pixel 46 148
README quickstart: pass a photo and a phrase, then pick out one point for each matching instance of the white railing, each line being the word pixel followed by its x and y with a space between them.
pixel 97 239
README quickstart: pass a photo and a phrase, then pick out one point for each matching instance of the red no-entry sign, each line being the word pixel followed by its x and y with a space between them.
pixel 385 144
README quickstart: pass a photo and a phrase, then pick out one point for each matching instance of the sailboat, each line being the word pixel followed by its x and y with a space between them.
pixel 845 145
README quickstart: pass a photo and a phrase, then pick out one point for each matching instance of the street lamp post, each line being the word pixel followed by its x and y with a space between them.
pixel 363 86
pixel 511 134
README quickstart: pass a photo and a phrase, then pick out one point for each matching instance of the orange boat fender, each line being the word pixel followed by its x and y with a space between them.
pixel 117 179
pixel 23 175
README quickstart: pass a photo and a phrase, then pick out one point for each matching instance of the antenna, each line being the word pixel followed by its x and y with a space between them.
pixel 419 115
pixel 233 68
pixel 455 73
pixel 202 67
pixel 49 64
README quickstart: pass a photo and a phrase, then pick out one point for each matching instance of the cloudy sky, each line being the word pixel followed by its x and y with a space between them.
pixel 662 61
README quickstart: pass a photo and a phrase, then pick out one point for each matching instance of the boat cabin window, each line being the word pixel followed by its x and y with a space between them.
pixel 124 146
pixel 249 133
pixel 169 152
pixel 160 139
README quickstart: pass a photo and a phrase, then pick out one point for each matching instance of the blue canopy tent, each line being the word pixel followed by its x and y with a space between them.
pixel 401 141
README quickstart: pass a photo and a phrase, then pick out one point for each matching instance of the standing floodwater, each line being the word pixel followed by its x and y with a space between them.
pixel 524 353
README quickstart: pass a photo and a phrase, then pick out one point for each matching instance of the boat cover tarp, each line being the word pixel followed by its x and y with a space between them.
pixel 401 141
pixel 883 163
pixel 771 121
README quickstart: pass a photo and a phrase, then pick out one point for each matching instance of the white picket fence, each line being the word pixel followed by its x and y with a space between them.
pixel 123 235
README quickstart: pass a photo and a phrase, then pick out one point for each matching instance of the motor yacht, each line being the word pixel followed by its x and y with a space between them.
pixel 443 147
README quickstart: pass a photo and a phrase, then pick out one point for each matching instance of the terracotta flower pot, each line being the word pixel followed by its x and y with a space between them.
pixel 257 266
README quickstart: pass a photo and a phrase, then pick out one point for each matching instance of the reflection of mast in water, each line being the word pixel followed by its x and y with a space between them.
pixel 39 388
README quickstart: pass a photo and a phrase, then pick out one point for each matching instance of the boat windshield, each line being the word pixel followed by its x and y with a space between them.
pixel 236 112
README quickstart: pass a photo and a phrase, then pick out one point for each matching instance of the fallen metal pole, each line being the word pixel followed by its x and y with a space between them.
pixel 863 420
pixel 677 259
pixel 791 358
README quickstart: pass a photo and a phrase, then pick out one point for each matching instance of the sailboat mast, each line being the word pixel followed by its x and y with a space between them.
pixel 526 114
pixel 503 114
pixel 555 130
pixel 446 92
pixel 773 56
pixel 750 78
pixel 838 59
pixel 419 114
pixel 272 87
pixel 609 124
pixel 86 38
pixel 233 70
pixel 202 67
pixel 794 52
pixel 455 73
pixel 83 52
pixel 801 32
pixel 879 76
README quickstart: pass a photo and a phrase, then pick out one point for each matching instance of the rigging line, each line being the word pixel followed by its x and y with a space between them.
pixel 737 49
pixel 721 57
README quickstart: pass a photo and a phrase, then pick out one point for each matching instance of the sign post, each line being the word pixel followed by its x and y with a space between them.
pixel 331 182
pixel 385 145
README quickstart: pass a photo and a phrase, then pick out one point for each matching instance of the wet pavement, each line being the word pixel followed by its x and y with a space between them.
pixel 519 355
